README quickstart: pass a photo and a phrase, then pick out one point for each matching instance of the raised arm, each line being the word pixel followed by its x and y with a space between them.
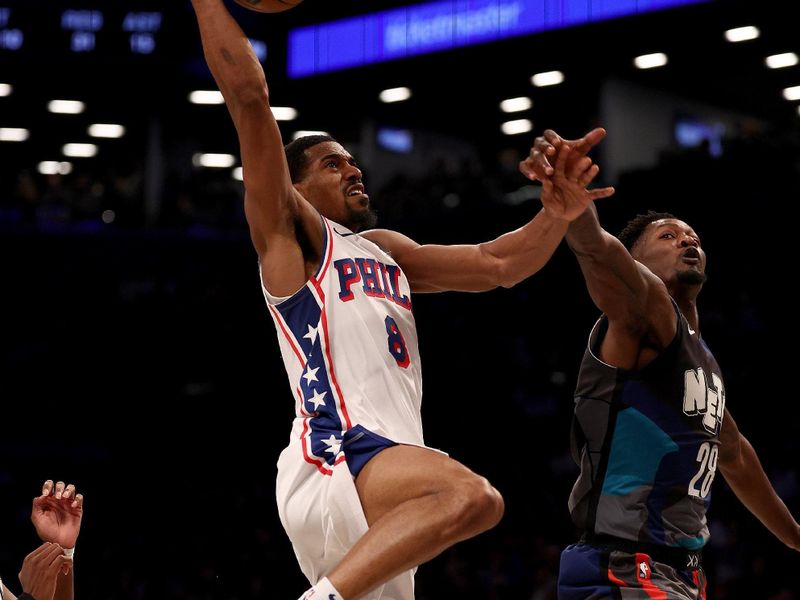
pixel 742 470
pixel 273 207
pixel 641 317
pixel 618 285
pixel 506 260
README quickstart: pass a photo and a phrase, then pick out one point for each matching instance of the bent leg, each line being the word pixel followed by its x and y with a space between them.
pixel 418 502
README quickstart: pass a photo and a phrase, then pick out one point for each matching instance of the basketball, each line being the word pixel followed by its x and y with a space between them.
pixel 268 6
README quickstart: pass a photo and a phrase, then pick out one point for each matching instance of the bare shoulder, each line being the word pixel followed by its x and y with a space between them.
pixel 657 307
pixel 642 326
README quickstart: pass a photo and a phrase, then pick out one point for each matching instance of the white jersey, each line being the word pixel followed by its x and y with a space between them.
pixel 349 344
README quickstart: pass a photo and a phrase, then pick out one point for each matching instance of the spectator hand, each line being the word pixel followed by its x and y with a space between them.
pixel 57 514
pixel 40 570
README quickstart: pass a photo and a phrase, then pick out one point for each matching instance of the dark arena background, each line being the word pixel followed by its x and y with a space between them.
pixel 137 357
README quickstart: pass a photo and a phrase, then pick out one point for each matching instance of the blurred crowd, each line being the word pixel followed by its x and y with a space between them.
pixel 142 365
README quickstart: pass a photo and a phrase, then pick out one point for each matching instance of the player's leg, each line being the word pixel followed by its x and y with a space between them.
pixel 417 502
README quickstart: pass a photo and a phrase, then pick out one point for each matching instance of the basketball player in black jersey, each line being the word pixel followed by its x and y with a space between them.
pixel 651 427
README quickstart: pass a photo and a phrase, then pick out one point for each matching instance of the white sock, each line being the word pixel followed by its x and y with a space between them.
pixel 324 590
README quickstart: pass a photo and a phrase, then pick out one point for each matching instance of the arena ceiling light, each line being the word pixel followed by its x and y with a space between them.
pixel 14 134
pixel 106 130
pixel 54 167
pixel 516 126
pixel 79 150
pixel 516 104
pixel 5 89
pixel 238 174
pixel 742 34
pixel 206 97
pixel 284 113
pixel 398 94
pixel 650 61
pixel 214 161
pixel 780 61
pixel 792 93
pixel 66 107
pixel 547 78
pixel 306 132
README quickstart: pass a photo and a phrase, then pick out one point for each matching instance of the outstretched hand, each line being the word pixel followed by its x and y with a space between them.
pixel 537 164
pixel 57 514
pixel 40 569
pixel 564 194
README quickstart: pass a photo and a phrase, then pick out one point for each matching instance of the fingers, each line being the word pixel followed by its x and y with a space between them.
pixel 601 193
pixel 547 189
pixel 69 492
pixel 536 166
pixel 553 138
pixel 44 554
pixel 36 554
pixel 52 555
pixel 78 502
pixel 586 175
pixel 561 161
pixel 591 139
pixel 58 490
pixel 60 562
pixel 66 565
pixel 581 169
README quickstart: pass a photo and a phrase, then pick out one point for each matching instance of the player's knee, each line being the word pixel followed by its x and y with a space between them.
pixel 479 505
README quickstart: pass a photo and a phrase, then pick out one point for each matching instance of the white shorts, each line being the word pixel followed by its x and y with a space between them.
pixel 323 518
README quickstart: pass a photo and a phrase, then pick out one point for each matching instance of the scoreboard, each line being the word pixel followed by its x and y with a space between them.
pixel 56 31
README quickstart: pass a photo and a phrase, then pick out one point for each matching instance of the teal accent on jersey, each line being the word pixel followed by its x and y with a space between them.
pixel 692 543
pixel 636 452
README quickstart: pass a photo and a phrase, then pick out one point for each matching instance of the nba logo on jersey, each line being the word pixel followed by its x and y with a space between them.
pixel 644 570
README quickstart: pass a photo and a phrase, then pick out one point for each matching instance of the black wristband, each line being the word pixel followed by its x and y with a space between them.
pixel 25 596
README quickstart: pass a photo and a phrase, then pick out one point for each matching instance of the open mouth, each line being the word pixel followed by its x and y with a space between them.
pixel 355 190
pixel 691 256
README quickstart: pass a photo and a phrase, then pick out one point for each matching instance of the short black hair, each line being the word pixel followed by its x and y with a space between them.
pixel 296 153
pixel 631 233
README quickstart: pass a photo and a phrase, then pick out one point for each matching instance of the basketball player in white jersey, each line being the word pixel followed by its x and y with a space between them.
pixel 360 496
pixel 47 572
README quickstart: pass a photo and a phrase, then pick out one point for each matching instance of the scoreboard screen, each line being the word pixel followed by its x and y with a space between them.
pixel 54 32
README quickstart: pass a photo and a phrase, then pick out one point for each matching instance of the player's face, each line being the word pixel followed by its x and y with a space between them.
pixel 671 249
pixel 333 184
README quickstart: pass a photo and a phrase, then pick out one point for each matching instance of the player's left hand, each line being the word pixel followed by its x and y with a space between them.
pixel 564 195
pixel 57 514
pixel 537 164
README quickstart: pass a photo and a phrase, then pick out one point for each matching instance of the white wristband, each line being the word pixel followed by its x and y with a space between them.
pixel 69 552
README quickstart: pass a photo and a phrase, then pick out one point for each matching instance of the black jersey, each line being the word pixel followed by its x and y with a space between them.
pixel 647 442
